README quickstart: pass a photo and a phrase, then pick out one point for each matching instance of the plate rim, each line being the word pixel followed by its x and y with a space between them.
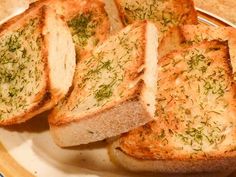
pixel 217 17
pixel 20 10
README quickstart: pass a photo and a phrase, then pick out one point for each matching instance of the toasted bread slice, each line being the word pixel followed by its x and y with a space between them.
pixel 195 108
pixel 194 34
pixel 114 89
pixel 87 20
pixel 37 64
pixel 187 35
pixel 173 40
pixel 165 14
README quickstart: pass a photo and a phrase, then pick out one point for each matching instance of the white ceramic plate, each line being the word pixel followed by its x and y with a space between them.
pixel 33 148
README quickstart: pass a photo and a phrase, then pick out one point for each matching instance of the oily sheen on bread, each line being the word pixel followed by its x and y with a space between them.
pixel 37 64
pixel 114 89
pixel 165 14
pixel 195 108
pixel 87 21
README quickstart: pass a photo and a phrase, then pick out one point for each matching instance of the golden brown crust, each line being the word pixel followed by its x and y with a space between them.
pixel 65 120
pixel 189 12
pixel 44 96
pixel 194 34
pixel 39 98
pixel 157 140
pixel 18 18
pixel 48 96
pixel 121 12
pixel 91 9
pixel 187 35
pixel 69 10
pixel 125 57
pixel 170 166
pixel 173 40
pixel 183 9
pixel 132 73
pixel 44 104
pixel 99 18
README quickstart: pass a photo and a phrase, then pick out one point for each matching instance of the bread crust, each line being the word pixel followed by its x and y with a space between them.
pixel 187 35
pixel 49 94
pixel 126 112
pixel 69 9
pixel 194 34
pixel 173 41
pixel 64 120
pixel 95 127
pixel 73 8
pixel 185 8
pixel 43 98
pixel 216 164
pixel 153 147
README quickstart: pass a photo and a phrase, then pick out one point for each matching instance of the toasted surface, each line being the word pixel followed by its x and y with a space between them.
pixel 173 166
pixel 194 34
pixel 28 85
pixel 187 35
pixel 165 14
pixel 113 14
pixel 87 20
pixel 115 87
pixel 173 40
pixel 194 130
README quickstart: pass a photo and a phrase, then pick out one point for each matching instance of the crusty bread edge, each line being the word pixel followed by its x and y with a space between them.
pixel 15 20
pixel 193 12
pixel 169 166
pixel 219 162
pixel 49 96
pixel 70 132
pixel 192 20
pixel 44 95
pixel 121 14
pixel 129 96
pixel 230 33
pixel 173 36
pixel 101 126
